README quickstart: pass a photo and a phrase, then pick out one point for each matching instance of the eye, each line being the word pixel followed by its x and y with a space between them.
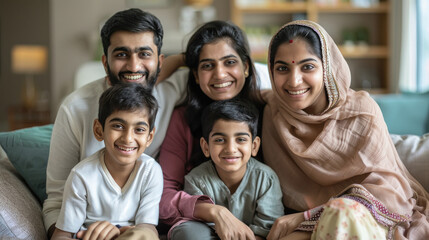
pixel 230 62
pixel 308 67
pixel 121 55
pixel 145 54
pixel 117 126
pixel 219 140
pixel 281 68
pixel 241 140
pixel 140 130
pixel 206 66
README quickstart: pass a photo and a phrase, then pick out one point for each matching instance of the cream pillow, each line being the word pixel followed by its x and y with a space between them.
pixel 414 153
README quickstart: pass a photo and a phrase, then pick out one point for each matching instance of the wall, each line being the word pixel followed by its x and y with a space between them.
pixel 21 22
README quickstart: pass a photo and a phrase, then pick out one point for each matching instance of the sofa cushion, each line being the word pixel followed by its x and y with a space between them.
pixel 20 211
pixel 28 151
pixel 414 153
pixel 405 113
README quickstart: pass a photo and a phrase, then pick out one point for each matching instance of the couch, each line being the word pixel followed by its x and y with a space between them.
pixel 23 158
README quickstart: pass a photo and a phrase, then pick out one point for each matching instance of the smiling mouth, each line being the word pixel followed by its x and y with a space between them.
pixel 298 92
pixel 230 159
pixel 133 77
pixel 126 149
pixel 222 85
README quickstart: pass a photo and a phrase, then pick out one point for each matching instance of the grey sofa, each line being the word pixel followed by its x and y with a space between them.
pixel 23 157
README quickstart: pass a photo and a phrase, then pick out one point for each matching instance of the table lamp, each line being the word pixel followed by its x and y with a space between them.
pixel 29 60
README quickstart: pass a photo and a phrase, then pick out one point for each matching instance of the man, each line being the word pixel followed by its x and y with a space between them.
pixel 132 41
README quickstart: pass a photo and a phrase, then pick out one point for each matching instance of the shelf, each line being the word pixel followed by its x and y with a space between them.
pixel 272 7
pixel 382 7
pixel 364 51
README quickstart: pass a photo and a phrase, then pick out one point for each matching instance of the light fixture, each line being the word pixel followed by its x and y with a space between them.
pixel 29 60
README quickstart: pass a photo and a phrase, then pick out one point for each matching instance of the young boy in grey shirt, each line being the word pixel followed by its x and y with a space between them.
pixel 233 178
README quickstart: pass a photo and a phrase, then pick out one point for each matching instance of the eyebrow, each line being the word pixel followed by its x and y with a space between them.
pixel 235 135
pixel 125 122
pixel 136 50
pixel 222 58
pixel 302 61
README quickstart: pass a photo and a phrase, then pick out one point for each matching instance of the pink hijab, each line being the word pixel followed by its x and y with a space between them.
pixel 347 146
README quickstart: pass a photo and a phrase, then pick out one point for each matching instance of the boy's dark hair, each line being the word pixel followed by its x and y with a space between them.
pixel 127 97
pixel 132 20
pixel 230 110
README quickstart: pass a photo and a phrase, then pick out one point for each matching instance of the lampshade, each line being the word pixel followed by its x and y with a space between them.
pixel 29 59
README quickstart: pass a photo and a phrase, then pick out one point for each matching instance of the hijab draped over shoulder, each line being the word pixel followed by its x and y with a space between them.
pixel 347 148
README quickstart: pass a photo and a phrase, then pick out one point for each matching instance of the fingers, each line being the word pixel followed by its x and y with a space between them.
pixel 101 230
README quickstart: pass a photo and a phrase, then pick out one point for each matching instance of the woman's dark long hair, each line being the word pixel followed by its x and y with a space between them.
pixel 212 32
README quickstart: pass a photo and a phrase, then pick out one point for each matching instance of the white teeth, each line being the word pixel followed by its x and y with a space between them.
pixel 126 149
pixel 222 85
pixel 133 77
pixel 297 92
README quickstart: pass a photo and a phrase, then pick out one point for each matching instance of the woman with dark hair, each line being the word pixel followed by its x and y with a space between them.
pixel 331 149
pixel 220 68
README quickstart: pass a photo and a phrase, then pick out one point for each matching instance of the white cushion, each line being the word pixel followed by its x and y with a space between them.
pixel 414 153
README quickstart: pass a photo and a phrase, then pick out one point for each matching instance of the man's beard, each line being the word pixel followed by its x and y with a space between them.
pixel 150 79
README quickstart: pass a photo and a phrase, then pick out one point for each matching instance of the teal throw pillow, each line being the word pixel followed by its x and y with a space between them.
pixel 28 151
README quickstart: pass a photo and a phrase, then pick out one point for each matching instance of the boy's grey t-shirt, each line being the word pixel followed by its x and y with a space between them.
pixel 257 201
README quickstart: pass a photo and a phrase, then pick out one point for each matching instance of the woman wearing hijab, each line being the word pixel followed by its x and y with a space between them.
pixel 331 149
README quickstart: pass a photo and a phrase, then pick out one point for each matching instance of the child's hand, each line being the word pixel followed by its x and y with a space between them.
pixel 100 230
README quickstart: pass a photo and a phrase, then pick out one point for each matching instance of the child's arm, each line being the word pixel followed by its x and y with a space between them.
pixel 61 235
pixel 99 230
pixel 269 205
pixel 227 226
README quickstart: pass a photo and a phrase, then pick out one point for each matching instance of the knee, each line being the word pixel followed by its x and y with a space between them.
pixel 191 230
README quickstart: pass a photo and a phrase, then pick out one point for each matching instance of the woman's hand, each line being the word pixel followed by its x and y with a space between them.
pixel 285 225
pixel 227 226
pixel 99 230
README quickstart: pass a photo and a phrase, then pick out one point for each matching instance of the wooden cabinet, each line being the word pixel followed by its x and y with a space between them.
pixel 367 28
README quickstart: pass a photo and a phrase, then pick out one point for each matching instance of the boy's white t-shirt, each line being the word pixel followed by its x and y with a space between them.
pixel 91 195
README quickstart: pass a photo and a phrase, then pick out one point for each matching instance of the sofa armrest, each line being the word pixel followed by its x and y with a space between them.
pixel 20 211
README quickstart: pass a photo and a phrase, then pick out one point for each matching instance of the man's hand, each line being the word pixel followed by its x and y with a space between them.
pixel 285 225
pixel 100 230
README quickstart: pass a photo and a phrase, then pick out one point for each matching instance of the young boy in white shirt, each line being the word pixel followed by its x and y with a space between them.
pixel 233 178
pixel 119 186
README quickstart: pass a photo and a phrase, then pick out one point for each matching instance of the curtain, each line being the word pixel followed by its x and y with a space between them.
pixel 409 43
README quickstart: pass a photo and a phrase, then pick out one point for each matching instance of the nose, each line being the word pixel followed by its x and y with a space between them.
pixel 134 64
pixel 128 136
pixel 230 147
pixel 220 72
pixel 295 78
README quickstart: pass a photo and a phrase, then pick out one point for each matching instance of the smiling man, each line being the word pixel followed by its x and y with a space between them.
pixel 132 41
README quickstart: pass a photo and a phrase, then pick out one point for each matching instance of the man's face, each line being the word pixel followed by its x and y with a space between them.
pixel 132 57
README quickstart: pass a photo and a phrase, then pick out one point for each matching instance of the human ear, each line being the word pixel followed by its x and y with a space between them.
pixel 150 137
pixel 205 147
pixel 160 60
pixel 98 130
pixel 246 69
pixel 255 146
pixel 104 61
